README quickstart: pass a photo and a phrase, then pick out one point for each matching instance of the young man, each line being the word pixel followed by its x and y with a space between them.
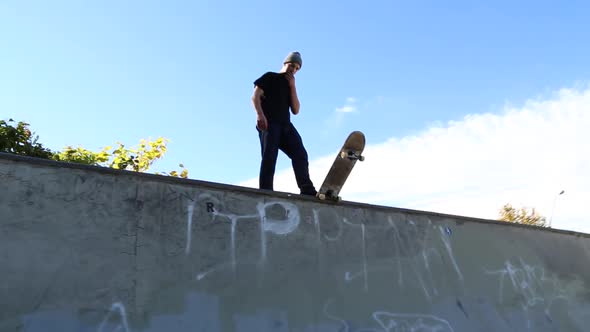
pixel 275 94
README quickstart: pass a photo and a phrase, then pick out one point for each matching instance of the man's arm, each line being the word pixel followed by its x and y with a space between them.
pixel 294 99
pixel 261 121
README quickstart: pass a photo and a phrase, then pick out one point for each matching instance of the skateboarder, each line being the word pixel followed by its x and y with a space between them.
pixel 275 94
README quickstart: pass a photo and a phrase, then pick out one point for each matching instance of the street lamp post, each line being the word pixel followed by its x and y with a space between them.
pixel 553 209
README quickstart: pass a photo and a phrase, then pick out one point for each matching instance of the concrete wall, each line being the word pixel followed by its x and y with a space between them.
pixel 91 249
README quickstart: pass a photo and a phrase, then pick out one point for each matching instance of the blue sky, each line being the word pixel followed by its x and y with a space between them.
pixel 93 73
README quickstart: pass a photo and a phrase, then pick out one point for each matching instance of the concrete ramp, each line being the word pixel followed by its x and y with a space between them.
pixel 94 249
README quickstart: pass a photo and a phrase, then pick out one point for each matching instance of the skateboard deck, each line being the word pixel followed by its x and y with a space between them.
pixel 346 158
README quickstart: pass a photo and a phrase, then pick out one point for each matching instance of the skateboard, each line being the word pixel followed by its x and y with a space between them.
pixel 347 156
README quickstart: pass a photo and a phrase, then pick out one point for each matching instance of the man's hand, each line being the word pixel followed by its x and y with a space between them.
pixel 290 78
pixel 261 122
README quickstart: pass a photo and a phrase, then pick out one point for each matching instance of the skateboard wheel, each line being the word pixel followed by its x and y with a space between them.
pixel 362 158
pixel 343 155
pixel 338 199
pixel 322 196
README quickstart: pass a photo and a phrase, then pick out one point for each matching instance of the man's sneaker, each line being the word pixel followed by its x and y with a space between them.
pixel 309 191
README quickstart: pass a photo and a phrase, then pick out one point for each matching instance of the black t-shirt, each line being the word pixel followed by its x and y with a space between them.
pixel 277 97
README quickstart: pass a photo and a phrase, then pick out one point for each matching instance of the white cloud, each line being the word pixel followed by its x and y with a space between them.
pixel 524 156
pixel 346 109
pixel 349 107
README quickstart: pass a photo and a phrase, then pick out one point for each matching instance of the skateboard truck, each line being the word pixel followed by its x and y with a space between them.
pixel 329 195
pixel 352 155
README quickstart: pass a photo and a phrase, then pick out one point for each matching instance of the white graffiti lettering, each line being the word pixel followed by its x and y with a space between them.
pixel 117 313
pixel 392 322
pixel 268 224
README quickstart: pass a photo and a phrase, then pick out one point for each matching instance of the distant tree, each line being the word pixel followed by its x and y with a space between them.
pixel 20 140
pixel 138 159
pixel 17 138
pixel 80 155
pixel 522 216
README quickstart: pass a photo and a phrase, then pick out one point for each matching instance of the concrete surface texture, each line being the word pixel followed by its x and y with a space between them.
pixel 94 249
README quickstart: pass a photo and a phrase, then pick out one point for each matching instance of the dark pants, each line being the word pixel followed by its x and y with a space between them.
pixel 283 137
